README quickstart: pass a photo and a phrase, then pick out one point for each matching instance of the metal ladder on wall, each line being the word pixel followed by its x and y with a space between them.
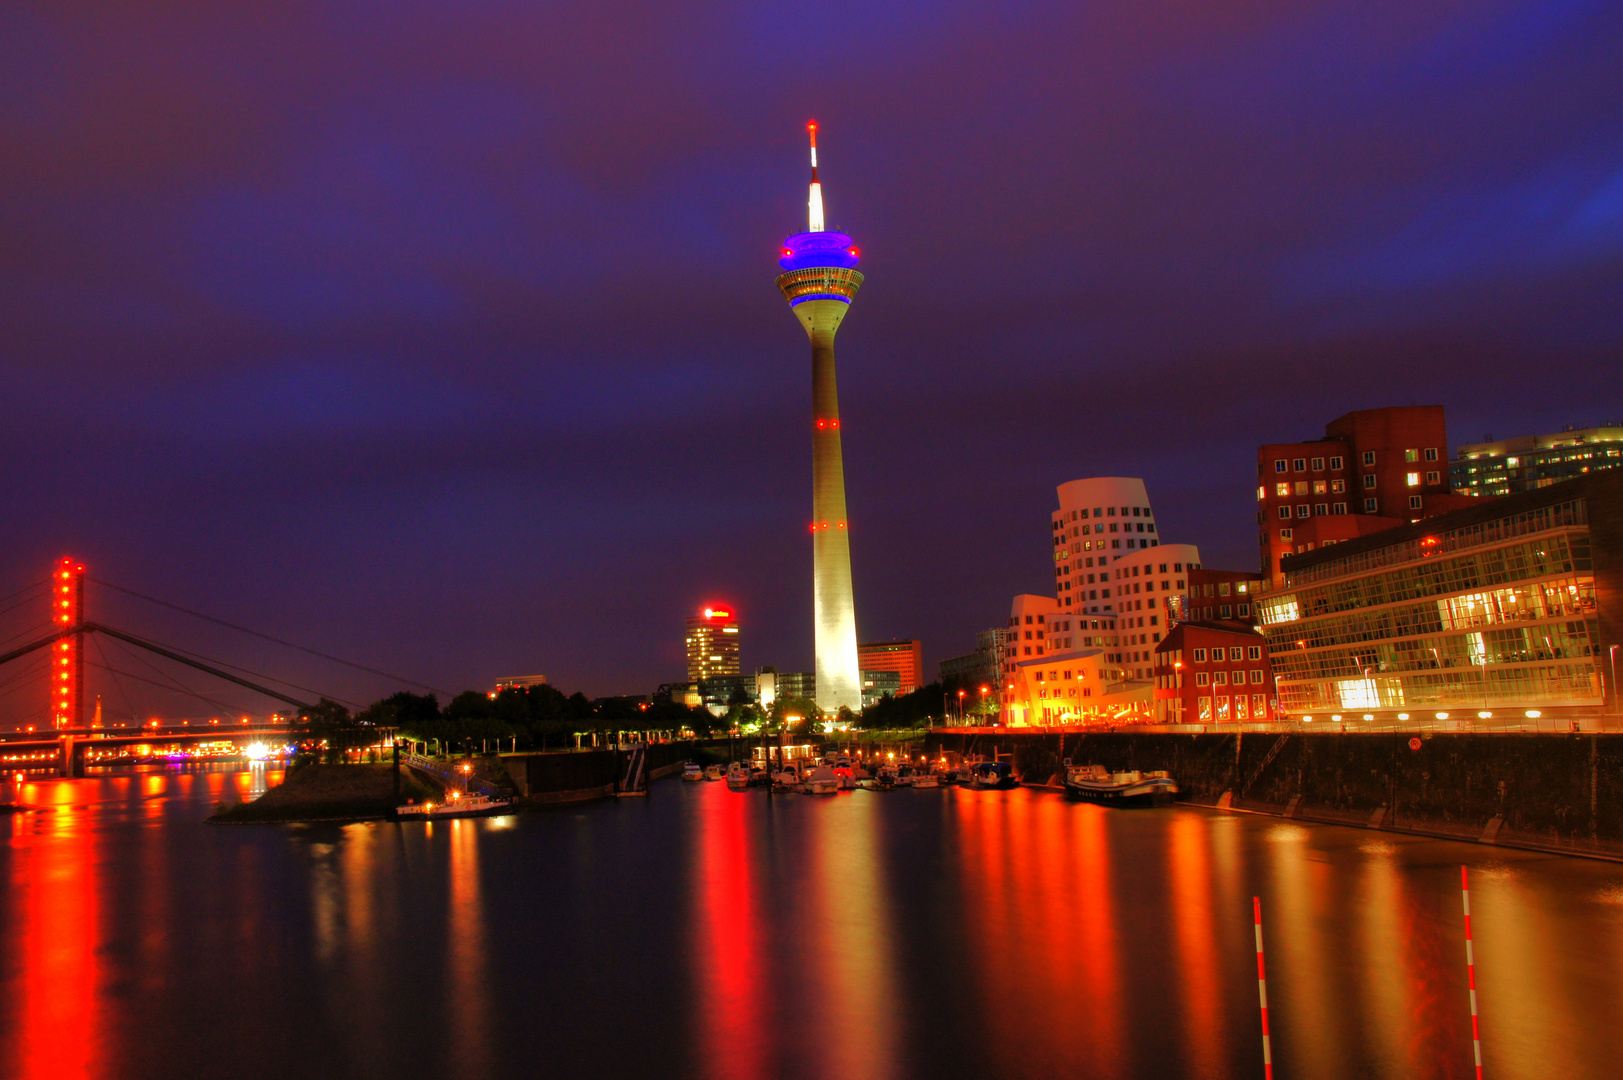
pixel 632 778
pixel 1267 759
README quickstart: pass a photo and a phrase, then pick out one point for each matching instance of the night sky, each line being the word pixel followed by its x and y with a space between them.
pixel 444 336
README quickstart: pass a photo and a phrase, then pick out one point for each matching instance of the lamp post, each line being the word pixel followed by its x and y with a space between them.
pixel 984 691
pixel 961 722
pixel 1611 652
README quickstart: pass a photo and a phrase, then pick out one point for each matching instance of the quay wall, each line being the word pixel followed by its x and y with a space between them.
pixel 1543 791
pixel 575 775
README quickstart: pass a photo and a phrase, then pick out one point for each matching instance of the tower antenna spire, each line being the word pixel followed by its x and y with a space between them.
pixel 814 204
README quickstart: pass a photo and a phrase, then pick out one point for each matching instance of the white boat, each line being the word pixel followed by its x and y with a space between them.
pixel 822 781
pixel 926 778
pixel 456 805
pixel 788 777
pixel 712 772
pixel 738 776
pixel 691 772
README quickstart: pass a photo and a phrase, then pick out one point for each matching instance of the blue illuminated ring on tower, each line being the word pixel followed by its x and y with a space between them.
pixel 803 251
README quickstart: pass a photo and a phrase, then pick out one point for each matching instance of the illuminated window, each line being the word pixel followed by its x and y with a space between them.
pixel 1411 455
pixel 1412 479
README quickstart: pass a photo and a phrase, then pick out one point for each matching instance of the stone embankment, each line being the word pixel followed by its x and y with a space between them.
pixel 328 793
pixel 1547 792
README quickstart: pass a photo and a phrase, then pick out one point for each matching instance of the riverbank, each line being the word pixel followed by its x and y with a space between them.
pixel 328 793
pixel 1553 793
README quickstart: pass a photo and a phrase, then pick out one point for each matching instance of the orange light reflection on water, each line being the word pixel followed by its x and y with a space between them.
pixel 1199 975
pixel 1037 873
pixel 467 988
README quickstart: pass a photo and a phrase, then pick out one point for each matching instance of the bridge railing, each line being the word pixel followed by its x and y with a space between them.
pixel 449 774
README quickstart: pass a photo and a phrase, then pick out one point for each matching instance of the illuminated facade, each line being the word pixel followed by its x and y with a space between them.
pixel 819 281
pixel 1100 519
pixel 67 677
pixel 904 656
pixel 1535 461
pixel 712 644
pixel 1213 673
pixel 1500 613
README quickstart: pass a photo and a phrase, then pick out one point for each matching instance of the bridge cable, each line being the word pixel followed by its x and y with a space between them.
pixel 267 637
pixel 256 674
pixel 221 705
pixel 152 647
pixel 19 592
pixel 121 691
pixel 173 683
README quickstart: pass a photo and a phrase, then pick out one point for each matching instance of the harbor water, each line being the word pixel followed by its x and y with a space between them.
pixel 708 933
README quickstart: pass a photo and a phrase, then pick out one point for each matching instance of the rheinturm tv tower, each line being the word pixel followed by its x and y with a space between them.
pixel 819 280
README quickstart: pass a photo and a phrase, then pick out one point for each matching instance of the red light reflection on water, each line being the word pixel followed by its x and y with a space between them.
pixel 728 959
pixel 53 902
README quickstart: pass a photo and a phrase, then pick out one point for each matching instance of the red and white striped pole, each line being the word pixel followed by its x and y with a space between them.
pixel 1470 969
pixel 1262 993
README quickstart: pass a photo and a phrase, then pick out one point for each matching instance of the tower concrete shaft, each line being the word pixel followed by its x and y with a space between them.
pixel 819 281
pixel 839 682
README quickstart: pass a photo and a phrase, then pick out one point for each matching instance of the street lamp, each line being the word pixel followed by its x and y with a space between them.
pixel 984 691
pixel 961 708
pixel 1612 653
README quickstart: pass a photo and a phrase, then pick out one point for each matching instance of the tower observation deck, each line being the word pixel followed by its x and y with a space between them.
pixel 819 280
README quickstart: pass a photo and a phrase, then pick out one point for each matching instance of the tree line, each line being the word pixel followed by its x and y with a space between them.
pixel 543 717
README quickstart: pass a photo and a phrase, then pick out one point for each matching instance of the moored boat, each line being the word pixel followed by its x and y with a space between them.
pixel 712 772
pixel 456 805
pixel 822 781
pixel 738 776
pixel 1096 784
pixel 992 776
pixel 692 772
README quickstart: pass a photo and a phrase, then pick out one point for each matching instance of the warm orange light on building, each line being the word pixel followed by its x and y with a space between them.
pixel 67 658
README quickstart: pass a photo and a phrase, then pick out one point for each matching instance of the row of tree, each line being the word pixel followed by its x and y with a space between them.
pixel 542 717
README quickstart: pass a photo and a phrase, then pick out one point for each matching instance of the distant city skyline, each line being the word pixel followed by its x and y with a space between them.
pixel 451 349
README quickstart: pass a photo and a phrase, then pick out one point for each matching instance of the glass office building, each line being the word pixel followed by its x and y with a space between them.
pixel 1489 615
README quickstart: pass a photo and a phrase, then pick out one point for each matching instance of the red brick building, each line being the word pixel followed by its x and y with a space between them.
pixel 1213 673
pixel 1222 594
pixel 1387 463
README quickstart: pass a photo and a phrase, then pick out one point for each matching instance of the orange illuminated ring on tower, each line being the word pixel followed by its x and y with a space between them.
pixel 834 282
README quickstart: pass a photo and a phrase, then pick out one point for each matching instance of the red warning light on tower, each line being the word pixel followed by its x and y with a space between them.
pixel 67 658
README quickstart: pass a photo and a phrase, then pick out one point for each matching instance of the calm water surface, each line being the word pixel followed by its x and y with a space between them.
pixel 706 933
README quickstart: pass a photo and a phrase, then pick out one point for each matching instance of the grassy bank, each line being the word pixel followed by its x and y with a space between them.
pixel 328 792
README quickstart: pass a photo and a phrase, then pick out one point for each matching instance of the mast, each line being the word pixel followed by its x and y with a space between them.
pixel 814 203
